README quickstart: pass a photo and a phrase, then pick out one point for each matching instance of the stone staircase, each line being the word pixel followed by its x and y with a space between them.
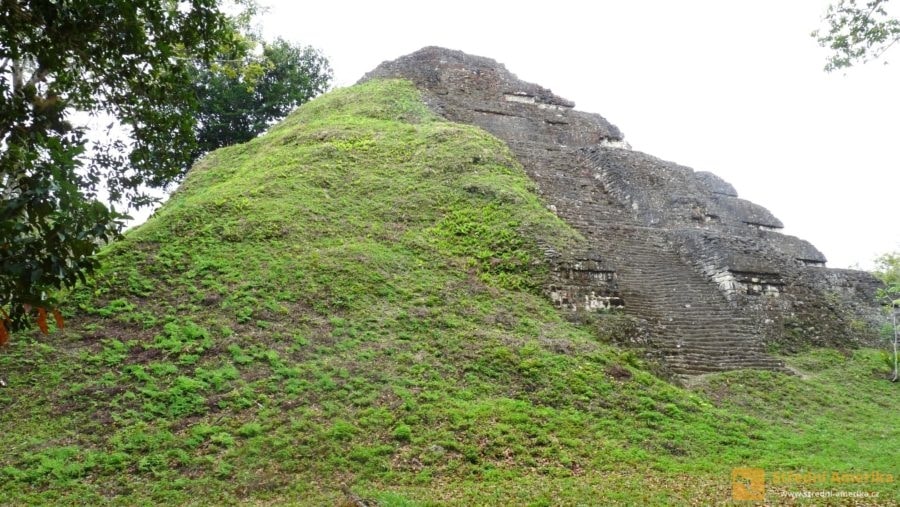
pixel 694 329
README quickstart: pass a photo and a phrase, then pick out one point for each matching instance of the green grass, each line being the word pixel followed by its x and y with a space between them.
pixel 353 299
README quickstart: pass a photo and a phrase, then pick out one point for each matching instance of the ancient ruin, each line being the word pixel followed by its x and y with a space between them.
pixel 712 281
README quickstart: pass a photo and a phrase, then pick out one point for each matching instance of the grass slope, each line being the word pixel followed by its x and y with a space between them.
pixel 351 299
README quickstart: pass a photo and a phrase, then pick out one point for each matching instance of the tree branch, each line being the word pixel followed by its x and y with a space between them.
pixel 38 77
pixel 17 75
pixel 880 52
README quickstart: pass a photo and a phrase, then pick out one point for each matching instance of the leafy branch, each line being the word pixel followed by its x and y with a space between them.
pixel 857 32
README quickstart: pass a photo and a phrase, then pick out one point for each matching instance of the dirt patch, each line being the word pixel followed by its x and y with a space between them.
pixel 618 372
pixel 144 356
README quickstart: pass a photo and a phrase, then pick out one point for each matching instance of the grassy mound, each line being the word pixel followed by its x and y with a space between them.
pixel 352 300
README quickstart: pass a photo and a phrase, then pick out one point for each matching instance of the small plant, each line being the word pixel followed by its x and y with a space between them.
pixel 222 439
pixel 113 353
pixel 115 307
pixel 403 433
pixel 341 430
pixel 250 429
pixel 631 359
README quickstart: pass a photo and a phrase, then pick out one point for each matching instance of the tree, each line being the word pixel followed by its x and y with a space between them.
pixel 129 60
pixel 857 32
pixel 887 269
pixel 235 106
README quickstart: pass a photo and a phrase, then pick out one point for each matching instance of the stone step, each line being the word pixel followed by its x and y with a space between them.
pixel 716 355
pixel 718 361
pixel 690 343
pixel 730 363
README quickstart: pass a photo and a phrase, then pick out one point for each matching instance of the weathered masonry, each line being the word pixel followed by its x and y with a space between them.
pixel 707 272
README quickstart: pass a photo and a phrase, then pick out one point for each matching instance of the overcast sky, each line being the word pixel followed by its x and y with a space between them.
pixel 736 88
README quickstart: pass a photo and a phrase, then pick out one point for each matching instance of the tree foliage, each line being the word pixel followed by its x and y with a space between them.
pixel 236 105
pixel 857 32
pixel 887 269
pixel 128 60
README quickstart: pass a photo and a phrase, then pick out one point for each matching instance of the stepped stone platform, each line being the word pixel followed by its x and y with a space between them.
pixel 707 273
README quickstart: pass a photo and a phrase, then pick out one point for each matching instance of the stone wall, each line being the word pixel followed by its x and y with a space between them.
pixel 583 282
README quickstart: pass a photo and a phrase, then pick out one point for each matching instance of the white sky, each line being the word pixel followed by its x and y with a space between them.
pixel 736 88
